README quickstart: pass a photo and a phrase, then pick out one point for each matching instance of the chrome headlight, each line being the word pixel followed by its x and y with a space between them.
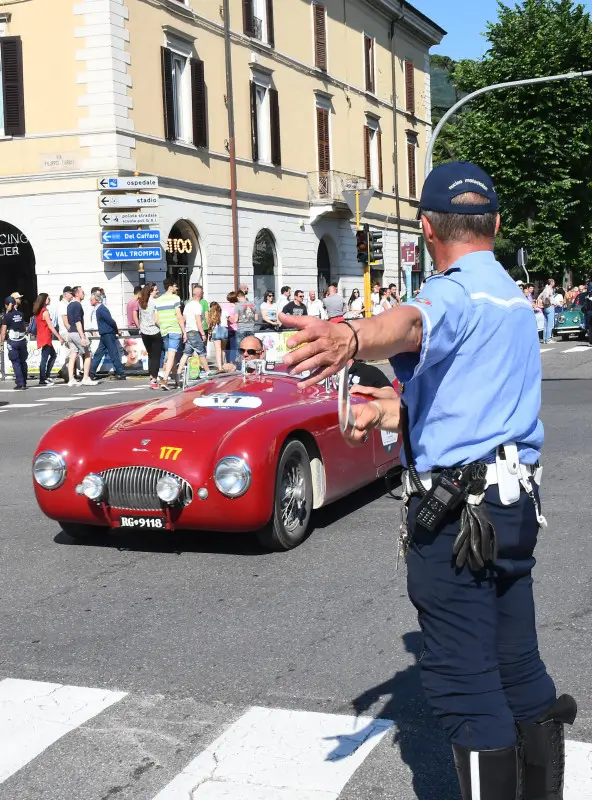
pixel 92 486
pixel 576 319
pixel 232 476
pixel 49 470
pixel 561 319
pixel 168 489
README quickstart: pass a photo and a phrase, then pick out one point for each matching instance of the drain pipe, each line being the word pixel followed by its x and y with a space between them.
pixel 231 142
pixel 396 142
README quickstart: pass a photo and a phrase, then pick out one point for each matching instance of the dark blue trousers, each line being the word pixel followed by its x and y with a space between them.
pixel 17 353
pixel 107 345
pixel 481 669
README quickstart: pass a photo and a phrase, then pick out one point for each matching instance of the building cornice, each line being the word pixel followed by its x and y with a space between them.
pixel 409 18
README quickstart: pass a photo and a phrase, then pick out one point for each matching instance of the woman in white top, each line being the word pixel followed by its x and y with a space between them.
pixel 269 312
pixel 382 305
pixel 149 331
pixel 356 305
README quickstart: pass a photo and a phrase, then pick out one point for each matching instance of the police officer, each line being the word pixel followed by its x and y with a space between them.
pixel 14 329
pixel 463 348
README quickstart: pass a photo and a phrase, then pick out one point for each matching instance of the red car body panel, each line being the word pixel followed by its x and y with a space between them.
pixel 174 434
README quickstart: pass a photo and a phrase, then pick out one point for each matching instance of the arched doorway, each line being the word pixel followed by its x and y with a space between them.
pixel 323 268
pixel 264 265
pixel 17 266
pixel 183 257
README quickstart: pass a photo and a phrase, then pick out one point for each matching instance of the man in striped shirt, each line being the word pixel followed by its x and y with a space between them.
pixel 168 317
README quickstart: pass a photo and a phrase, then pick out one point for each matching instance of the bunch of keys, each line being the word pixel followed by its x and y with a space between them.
pixel 403 538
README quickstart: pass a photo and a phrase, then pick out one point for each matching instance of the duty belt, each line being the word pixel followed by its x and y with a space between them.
pixel 527 472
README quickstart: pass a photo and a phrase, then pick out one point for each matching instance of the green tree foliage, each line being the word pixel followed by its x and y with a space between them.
pixel 535 141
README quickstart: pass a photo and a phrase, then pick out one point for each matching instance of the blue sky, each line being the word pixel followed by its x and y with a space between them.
pixel 465 21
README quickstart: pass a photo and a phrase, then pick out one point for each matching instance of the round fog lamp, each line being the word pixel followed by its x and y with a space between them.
pixel 92 486
pixel 232 476
pixel 49 470
pixel 168 489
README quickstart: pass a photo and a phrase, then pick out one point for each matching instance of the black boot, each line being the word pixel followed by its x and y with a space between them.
pixel 543 743
pixel 489 774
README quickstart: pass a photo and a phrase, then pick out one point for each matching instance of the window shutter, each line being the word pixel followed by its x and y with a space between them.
pixel 198 96
pixel 320 36
pixel 380 177
pixel 168 94
pixel 369 62
pixel 323 140
pixel 367 163
pixel 410 86
pixel 254 131
pixel 274 113
pixel 270 28
pixel 248 18
pixel 411 169
pixel 12 86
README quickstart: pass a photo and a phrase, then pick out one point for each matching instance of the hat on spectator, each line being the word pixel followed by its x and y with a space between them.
pixel 8 301
pixel 16 295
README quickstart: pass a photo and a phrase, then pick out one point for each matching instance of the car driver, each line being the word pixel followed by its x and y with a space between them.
pixel 250 349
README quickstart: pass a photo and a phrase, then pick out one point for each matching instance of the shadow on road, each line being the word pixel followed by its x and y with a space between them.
pixel 418 736
pixel 243 544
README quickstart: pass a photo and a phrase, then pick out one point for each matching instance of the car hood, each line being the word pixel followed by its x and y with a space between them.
pixel 213 407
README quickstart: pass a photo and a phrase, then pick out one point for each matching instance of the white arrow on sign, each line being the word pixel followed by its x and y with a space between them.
pixel 129 218
pixel 127 184
pixel 128 200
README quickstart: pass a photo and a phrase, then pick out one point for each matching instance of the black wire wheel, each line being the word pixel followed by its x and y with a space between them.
pixel 292 508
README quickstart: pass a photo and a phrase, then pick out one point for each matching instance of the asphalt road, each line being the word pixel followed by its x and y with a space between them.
pixel 196 629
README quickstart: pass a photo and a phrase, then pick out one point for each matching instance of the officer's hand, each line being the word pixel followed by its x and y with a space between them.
pixel 386 401
pixel 326 347
pixel 367 416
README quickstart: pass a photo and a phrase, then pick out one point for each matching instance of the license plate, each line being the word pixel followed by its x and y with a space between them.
pixel 156 523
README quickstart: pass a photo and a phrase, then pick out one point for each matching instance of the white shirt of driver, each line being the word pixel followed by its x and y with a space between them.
pixel 192 310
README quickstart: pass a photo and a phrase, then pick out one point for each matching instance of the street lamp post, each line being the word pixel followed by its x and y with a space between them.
pixel 569 76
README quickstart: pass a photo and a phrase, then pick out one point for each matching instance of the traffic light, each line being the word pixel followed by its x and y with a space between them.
pixel 362 244
pixel 375 247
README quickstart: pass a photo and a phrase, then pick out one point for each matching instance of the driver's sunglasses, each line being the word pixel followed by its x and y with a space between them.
pixel 249 351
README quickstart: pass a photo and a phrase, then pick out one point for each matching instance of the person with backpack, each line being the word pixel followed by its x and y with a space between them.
pixel 42 327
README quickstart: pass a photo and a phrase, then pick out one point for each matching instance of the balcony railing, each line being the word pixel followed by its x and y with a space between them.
pixel 328 187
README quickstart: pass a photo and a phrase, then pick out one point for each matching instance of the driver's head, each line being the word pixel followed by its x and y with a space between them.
pixel 251 348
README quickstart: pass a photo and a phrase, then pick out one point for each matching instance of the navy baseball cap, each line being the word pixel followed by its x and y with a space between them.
pixel 9 300
pixel 447 181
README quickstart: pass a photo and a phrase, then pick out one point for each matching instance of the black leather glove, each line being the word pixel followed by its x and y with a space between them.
pixel 475 544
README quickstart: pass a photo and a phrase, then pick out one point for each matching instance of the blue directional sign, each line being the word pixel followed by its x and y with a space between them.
pixel 129 237
pixel 132 254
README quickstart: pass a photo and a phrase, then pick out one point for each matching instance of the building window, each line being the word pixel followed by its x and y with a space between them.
pixel 323 140
pixel 265 125
pixel 320 35
pixel 258 20
pixel 184 93
pixel 410 87
pixel 373 154
pixel 12 100
pixel 411 163
pixel 369 63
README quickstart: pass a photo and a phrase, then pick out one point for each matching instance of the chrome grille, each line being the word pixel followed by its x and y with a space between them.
pixel 134 488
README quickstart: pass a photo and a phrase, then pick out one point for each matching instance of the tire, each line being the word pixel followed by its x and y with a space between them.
pixel 84 533
pixel 290 522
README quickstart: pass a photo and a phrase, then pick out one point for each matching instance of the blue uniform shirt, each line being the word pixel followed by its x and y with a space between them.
pixel 477 381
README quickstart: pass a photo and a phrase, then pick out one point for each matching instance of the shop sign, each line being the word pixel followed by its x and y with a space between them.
pixel 10 242
pixel 179 246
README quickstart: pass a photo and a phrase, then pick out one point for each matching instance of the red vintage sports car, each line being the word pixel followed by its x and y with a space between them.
pixel 237 452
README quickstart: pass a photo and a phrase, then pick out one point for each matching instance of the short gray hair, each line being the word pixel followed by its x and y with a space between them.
pixel 98 296
pixel 464 227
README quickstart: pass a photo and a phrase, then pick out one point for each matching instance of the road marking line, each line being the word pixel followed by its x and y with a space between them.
pixel 546 350
pixel 274 754
pixel 21 405
pixel 581 348
pixel 34 715
pixel 68 399
pixel 578 771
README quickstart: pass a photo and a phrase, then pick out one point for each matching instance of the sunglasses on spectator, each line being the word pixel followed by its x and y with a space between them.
pixel 249 351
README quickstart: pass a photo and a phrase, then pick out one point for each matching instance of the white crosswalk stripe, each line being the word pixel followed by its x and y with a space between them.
pixel 255 754
pixel 581 348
